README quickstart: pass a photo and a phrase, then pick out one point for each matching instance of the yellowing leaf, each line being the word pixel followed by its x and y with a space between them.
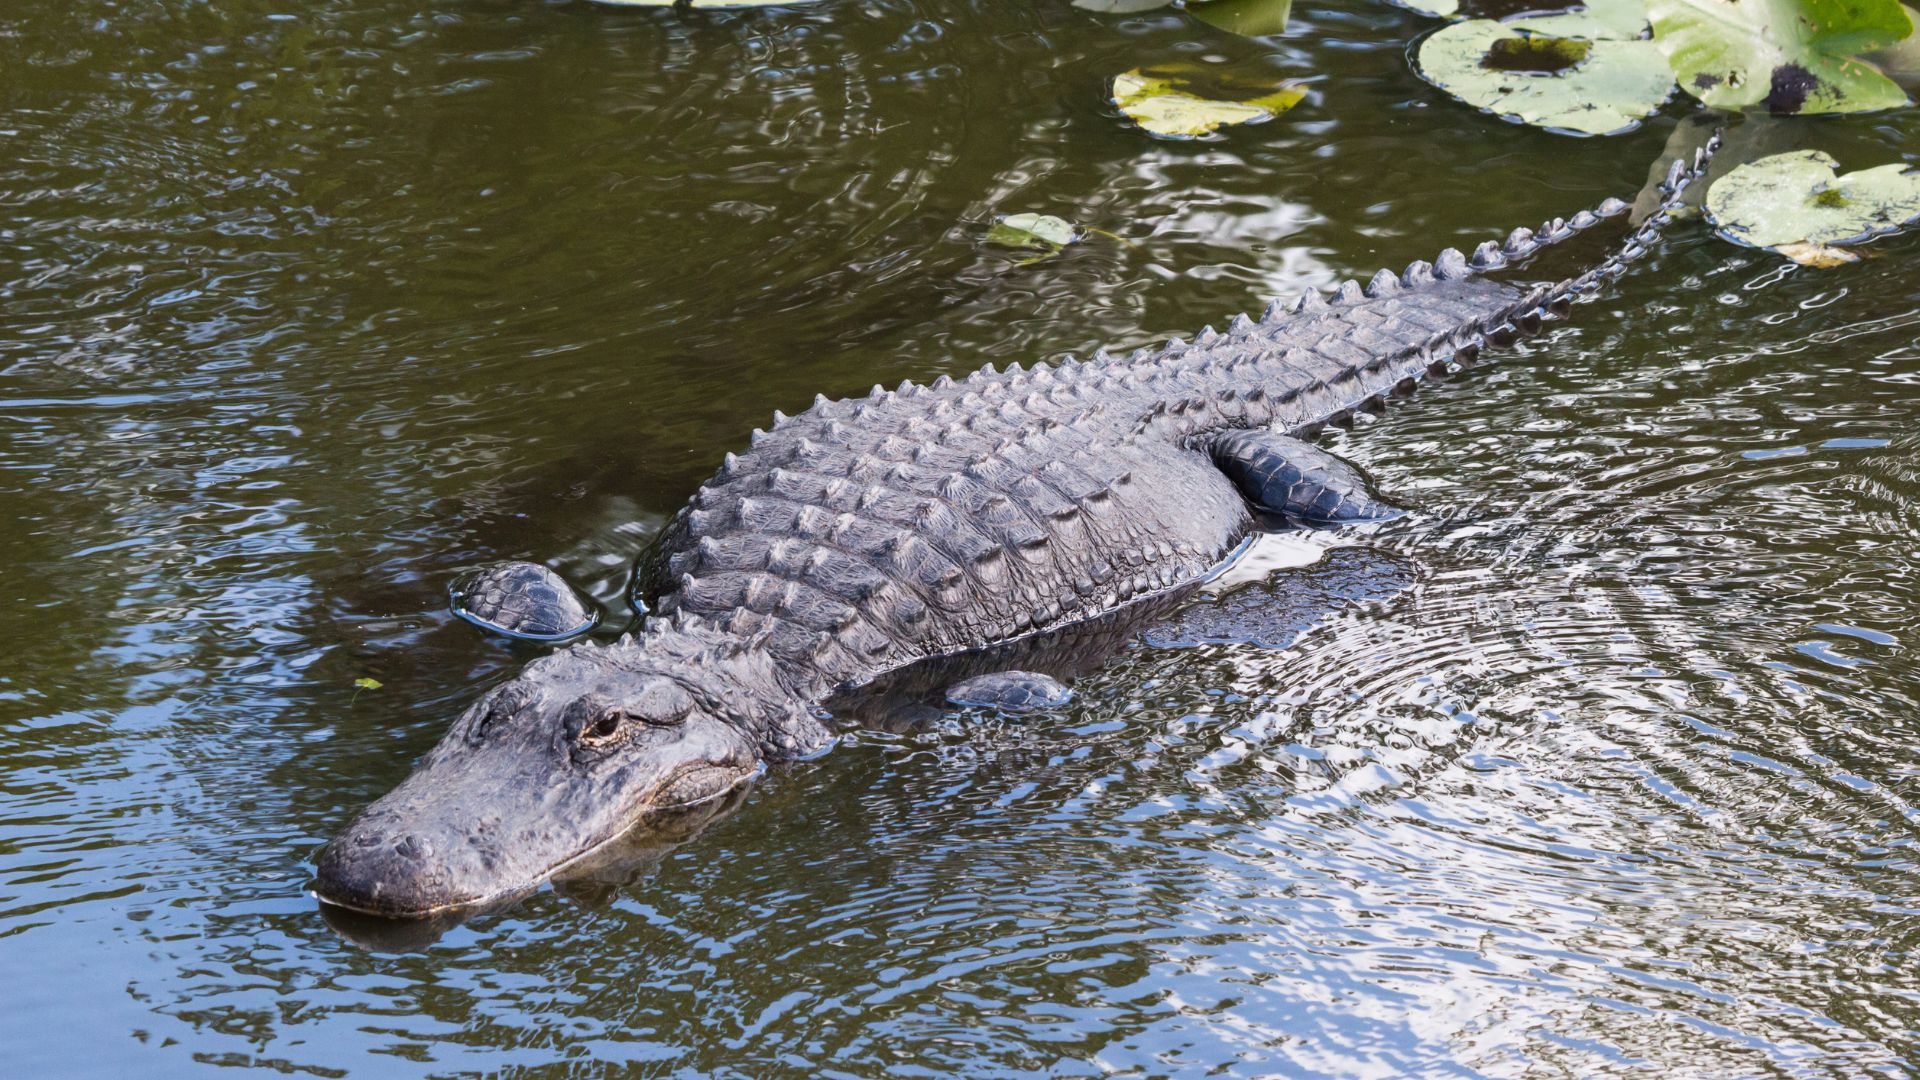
pixel 1248 18
pixel 1818 256
pixel 1161 107
pixel 366 683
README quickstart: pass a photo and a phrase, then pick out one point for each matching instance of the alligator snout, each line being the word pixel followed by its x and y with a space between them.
pixel 382 868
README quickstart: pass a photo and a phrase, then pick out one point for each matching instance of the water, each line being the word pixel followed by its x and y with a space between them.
pixel 1603 760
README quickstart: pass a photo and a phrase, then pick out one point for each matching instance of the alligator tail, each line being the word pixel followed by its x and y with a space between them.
pixel 1555 299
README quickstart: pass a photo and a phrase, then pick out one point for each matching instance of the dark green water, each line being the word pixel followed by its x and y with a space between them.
pixel 1608 759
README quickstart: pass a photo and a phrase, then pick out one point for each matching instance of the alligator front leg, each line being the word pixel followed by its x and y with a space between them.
pixel 1283 475
pixel 521 600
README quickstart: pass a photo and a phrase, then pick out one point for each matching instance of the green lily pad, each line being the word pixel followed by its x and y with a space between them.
pixel 1160 106
pixel 1248 18
pixel 1571 84
pixel 1599 20
pixel 1043 232
pixel 1796 204
pixel 1791 56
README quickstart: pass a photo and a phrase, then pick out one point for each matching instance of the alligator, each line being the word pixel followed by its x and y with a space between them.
pixel 862 536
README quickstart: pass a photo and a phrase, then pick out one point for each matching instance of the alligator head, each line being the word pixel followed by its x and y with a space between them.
pixel 557 762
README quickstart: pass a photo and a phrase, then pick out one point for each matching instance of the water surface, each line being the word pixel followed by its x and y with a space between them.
pixel 1603 760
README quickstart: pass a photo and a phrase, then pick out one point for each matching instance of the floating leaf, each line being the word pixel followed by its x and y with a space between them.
pixel 1818 256
pixel 1160 106
pixel 1902 59
pixel 707 5
pixel 1121 7
pixel 1599 20
pixel 1795 204
pixel 1525 74
pixel 1248 18
pixel 366 683
pixel 1032 231
pixel 1444 9
pixel 1792 56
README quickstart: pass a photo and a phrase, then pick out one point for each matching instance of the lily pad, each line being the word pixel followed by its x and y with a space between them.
pixel 1599 20
pixel 1042 232
pixel 1121 7
pixel 1442 9
pixel 1796 204
pixel 705 5
pixel 1248 18
pixel 1791 56
pixel 1533 76
pixel 1160 106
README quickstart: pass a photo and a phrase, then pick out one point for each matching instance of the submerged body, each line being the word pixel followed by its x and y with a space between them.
pixel 862 536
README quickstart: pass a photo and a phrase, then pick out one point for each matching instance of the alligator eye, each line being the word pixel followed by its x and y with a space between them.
pixel 603 728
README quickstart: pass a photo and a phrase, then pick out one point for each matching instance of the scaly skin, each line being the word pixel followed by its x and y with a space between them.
pixel 862 536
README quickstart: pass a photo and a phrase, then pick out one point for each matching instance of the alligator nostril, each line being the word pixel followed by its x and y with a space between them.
pixel 412 847
pixel 368 840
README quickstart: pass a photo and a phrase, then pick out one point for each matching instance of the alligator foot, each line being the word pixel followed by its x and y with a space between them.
pixel 1010 691
pixel 521 600
pixel 1282 475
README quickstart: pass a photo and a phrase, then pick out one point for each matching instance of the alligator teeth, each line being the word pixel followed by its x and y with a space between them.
pixel 1383 284
pixel 1584 220
pixel 1520 241
pixel 1488 256
pixel 1609 207
pixel 1451 265
pixel 1349 292
pixel 1419 272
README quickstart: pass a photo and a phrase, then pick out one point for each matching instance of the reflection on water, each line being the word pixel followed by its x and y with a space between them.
pixel 1603 759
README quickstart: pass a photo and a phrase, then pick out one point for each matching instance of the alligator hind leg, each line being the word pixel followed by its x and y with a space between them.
pixel 1010 691
pixel 1283 475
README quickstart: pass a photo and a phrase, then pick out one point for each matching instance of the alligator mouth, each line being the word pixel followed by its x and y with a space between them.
pixel 684 789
